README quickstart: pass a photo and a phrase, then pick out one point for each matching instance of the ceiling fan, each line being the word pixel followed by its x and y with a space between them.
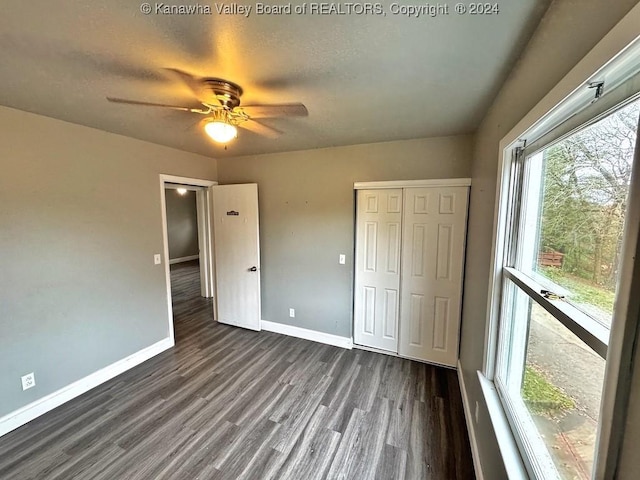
pixel 220 101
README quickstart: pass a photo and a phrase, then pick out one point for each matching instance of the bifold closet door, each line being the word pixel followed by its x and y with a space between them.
pixel 377 285
pixel 434 231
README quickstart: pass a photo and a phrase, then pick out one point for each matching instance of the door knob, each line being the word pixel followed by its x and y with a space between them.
pixel 253 269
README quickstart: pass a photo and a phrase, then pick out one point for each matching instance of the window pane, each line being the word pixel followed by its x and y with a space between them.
pixel 573 212
pixel 554 383
pixel 562 388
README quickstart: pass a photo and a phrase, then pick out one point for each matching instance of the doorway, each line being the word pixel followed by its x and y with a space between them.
pixel 187 270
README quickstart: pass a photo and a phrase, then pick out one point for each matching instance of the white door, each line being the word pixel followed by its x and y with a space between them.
pixel 434 231
pixel 377 285
pixel 237 254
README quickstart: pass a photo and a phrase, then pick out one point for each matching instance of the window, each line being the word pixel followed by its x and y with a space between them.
pixel 566 219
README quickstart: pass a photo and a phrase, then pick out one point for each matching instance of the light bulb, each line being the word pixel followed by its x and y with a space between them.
pixel 220 132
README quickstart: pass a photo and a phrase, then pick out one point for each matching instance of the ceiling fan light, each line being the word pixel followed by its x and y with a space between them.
pixel 221 132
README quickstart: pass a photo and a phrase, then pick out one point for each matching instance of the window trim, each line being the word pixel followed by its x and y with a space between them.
pixel 621 38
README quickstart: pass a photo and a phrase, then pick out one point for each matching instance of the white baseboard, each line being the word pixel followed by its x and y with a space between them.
pixel 183 259
pixel 312 335
pixel 45 404
pixel 469 418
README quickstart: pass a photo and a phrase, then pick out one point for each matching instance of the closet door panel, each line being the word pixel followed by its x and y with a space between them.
pixel 378 261
pixel 434 225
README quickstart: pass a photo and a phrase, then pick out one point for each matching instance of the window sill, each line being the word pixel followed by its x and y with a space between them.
pixel 506 442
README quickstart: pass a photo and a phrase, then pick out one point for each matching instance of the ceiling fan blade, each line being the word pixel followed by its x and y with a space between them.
pixel 260 128
pixel 149 104
pixel 281 110
pixel 199 89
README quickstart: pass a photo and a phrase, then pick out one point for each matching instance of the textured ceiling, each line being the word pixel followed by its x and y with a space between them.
pixel 363 78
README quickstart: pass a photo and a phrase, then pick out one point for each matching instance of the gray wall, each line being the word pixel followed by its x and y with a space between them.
pixel 569 29
pixel 80 220
pixel 182 223
pixel 306 204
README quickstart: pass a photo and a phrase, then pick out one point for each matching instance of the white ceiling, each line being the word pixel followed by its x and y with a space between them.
pixel 363 78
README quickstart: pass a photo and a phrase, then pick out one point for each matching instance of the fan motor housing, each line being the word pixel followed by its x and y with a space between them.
pixel 228 93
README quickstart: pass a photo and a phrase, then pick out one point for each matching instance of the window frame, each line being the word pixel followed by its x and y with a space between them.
pixel 541 120
pixel 535 456
pixel 512 340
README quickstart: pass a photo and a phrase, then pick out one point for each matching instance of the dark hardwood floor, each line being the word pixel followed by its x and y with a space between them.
pixel 228 403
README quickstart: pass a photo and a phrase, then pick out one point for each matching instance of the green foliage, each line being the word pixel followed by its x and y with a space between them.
pixel 583 291
pixel 541 396
pixel 584 194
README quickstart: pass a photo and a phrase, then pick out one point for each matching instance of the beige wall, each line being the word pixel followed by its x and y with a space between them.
pixel 307 218
pixel 182 224
pixel 569 29
pixel 80 221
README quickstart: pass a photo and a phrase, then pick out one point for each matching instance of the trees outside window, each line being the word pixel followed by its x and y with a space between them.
pixel 559 289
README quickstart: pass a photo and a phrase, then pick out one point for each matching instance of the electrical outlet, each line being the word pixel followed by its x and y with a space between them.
pixel 157 259
pixel 28 381
pixel 343 258
pixel 292 312
pixel 477 412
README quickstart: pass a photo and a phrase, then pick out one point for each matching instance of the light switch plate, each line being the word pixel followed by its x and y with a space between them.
pixel 157 259
pixel 343 259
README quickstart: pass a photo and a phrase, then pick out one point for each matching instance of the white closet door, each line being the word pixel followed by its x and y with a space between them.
pixel 377 286
pixel 434 230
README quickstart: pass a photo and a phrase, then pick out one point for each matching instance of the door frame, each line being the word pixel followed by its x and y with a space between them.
pixel 436 182
pixel 205 239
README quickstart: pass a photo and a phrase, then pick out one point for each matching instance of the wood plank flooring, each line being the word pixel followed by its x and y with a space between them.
pixel 228 403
